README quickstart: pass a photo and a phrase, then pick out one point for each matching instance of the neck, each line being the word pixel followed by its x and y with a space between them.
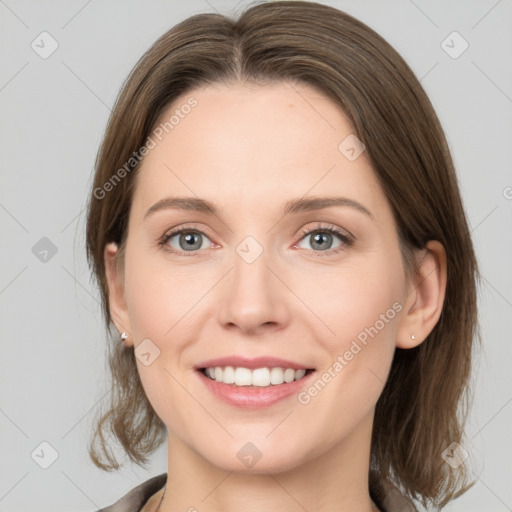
pixel 336 480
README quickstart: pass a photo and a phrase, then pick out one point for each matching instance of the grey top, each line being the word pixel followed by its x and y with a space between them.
pixel 134 500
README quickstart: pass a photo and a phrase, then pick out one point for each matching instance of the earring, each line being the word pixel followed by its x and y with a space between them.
pixel 124 336
pixel 413 337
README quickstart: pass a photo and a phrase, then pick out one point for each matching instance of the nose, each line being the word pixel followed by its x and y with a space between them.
pixel 254 298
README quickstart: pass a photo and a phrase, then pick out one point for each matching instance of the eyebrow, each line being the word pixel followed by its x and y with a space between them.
pixel 293 206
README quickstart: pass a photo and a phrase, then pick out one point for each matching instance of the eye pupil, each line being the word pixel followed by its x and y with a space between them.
pixel 191 241
pixel 318 240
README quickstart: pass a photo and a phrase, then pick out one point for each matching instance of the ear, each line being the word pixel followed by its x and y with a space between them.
pixel 117 303
pixel 424 302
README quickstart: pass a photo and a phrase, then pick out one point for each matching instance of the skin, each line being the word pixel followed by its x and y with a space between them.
pixel 248 150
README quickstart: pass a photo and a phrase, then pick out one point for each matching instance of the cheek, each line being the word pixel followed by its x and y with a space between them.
pixel 358 301
pixel 159 294
pixel 361 306
pixel 161 301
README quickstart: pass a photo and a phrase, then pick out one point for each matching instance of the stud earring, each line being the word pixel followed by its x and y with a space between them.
pixel 413 337
pixel 124 336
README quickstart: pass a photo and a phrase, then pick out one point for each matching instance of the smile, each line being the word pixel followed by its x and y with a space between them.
pixel 259 377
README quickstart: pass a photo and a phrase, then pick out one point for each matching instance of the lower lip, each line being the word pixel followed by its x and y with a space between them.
pixel 254 397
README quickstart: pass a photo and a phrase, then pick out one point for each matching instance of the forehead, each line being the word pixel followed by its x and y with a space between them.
pixel 253 143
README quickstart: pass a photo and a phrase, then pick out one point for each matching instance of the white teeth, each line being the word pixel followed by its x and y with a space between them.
pixel 228 375
pixel 243 377
pixel 299 374
pixel 289 375
pixel 261 377
pixel 276 376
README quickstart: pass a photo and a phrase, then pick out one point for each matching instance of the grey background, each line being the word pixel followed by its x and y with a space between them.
pixel 53 112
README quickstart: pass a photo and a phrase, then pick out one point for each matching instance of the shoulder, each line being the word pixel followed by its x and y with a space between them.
pixel 390 499
pixel 135 499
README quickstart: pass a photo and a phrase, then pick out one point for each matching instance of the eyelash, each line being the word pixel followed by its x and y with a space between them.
pixel 346 238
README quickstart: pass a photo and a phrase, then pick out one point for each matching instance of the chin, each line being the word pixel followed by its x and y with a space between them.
pixel 256 457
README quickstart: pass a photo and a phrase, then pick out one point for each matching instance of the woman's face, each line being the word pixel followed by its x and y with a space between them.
pixel 262 278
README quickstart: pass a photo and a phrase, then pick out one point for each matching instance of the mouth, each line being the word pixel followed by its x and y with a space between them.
pixel 259 377
pixel 253 383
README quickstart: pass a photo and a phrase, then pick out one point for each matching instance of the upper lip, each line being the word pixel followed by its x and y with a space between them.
pixel 252 363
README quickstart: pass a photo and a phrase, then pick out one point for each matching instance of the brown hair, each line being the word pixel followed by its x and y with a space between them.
pixel 424 404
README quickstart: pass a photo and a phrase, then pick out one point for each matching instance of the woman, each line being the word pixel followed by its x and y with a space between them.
pixel 279 240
